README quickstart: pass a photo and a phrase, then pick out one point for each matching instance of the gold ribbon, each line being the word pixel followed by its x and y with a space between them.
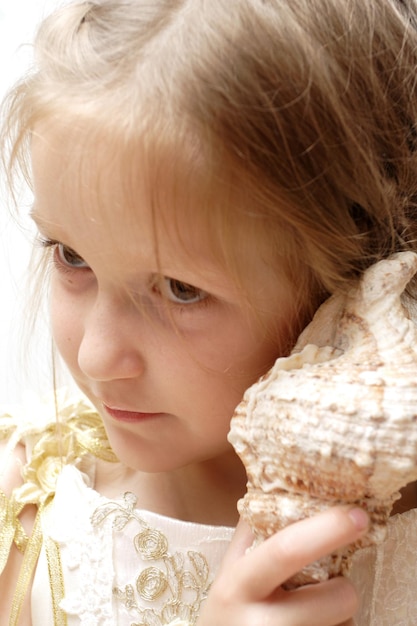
pixel 10 528
pixel 56 581
pixel 30 558
pixel 77 432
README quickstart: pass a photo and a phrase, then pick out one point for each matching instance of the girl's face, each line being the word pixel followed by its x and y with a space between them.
pixel 157 335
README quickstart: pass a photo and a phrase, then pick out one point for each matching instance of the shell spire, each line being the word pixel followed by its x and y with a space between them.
pixel 336 421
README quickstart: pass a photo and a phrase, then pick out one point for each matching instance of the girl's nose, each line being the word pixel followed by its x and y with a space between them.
pixel 109 346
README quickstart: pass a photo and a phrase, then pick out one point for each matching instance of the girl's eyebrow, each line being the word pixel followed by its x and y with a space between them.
pixel 34 215
pixel 44 225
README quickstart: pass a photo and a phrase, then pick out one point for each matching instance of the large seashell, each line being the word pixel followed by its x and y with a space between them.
pixel 336 421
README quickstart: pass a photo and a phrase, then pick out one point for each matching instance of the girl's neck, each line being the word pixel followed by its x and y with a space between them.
pixel 202 494
pixel 206 493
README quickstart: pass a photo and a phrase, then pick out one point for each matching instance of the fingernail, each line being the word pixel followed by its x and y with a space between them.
pixel 359 518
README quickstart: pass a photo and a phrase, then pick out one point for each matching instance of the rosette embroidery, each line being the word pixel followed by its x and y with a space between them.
pixel 178 582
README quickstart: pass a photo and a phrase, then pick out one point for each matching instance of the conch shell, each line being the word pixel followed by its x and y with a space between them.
pixel 336 421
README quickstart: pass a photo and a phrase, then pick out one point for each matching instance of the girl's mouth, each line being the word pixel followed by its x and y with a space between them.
pixel 122 415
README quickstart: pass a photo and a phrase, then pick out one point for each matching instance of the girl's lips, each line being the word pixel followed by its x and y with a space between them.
pixel 130 416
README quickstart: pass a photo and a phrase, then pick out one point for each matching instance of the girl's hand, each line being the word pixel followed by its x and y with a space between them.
pixel 247 590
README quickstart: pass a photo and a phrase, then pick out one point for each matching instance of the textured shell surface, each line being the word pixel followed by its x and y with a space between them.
pixel 336 421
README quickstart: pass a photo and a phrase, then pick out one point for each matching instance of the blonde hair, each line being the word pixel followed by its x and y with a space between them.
pixel 298 117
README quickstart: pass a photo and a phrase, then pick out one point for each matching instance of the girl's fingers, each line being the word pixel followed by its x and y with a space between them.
pixel 287 552
pixel 242 540
pixel 322 604
pixel 248 589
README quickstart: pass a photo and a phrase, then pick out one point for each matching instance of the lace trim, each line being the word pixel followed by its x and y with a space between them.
pixel 180 581
pixel 87 555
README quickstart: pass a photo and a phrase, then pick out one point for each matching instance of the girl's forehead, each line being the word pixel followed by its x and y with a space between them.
pixel 108 170
pixel 141 206
pixel 143 209
pixel 99 175
pixel 94 194
pixel 154 186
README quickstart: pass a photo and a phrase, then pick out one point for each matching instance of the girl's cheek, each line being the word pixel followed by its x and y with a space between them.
pixel 65 325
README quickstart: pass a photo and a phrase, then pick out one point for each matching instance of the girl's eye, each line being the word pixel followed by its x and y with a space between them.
pixel 68 257
pixel 179 292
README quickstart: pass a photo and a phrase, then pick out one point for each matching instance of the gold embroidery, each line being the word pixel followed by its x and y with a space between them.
pixel 151 583
pixel 180 581
pixel 151 544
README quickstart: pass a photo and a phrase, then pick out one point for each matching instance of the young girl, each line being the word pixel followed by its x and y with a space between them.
pixel 205 174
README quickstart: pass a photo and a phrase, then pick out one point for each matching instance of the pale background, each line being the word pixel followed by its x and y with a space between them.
pixel 19 372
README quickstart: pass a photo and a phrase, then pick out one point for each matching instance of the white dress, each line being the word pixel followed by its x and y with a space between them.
pixel 386 576
pixel 103 562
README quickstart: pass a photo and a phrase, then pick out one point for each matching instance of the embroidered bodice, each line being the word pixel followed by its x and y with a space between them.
pixel 104 562
pixel 124 566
